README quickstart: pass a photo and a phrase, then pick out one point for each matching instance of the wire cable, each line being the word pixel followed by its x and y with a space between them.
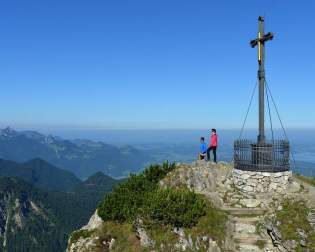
pixel 277 111
pixel 284 131
pixel 270 117
pixel 248 109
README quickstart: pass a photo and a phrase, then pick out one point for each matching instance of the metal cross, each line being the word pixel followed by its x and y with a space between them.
pixel 260 42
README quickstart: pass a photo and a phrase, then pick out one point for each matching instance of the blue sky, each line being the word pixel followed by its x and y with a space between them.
pixel 151 64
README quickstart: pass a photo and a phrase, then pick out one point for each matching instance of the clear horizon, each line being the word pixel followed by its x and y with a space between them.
pixel 49 127
pixel 131 136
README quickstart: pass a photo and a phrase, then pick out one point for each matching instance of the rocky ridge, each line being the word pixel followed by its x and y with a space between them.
pixel 252 223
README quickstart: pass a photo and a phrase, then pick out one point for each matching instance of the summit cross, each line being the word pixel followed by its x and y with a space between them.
pixel 262 155
pixel 260 42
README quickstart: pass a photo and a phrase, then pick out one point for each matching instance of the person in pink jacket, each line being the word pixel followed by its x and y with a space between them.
pixel 213 145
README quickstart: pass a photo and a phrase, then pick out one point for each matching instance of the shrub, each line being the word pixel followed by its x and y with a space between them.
pixel 126 201
pixel 140 196
pixel 179 208
pixel 155 173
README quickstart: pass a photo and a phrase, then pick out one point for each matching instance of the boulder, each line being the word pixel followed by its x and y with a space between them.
pixel 250 203
pixel 145 240
pixel 94 222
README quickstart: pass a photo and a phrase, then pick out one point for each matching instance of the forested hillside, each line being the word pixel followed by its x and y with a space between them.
pixel 38 219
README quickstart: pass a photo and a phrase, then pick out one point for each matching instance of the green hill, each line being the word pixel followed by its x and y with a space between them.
pixel 94 186
pixel 40 174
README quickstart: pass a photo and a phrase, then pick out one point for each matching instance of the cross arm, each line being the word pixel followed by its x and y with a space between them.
pixel 266 37
pixel 253 43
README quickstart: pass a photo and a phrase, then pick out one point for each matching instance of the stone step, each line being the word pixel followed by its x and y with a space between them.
pixel 250 239
pixel 244 229
pixel 244 211
pixel 253 248
pixel 253 243
pixel 246 219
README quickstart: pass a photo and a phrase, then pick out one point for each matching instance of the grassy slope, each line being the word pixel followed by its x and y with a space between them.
pixel 308 180
pixel 292 217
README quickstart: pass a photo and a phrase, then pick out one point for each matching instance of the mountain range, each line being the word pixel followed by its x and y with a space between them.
pixel 86 157
pixel 82 157
pixel 41 204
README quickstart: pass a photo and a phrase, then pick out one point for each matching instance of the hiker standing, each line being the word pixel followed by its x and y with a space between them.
pixel 213 145
pixel 203 149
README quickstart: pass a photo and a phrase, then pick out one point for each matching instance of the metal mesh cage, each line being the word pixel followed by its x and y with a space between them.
pixel 266 157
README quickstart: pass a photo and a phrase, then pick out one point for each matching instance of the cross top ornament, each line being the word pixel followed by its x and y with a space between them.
pixel 261 39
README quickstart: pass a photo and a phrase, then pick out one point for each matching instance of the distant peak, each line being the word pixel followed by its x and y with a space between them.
pixel 8 131
pixel 98 177
pixel 98 174
pixel 37 160
pixel 50 139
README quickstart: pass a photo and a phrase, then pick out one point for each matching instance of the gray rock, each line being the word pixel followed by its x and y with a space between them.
pixel 274 233
pixel 301 233
pixel 250 203
pixel 183 243
pixel 266 174
pixel 303 243
pixel 244 228
pixel 94 222
pixel 213 246
pixel 290 245
pixel 145 240
pixel 247 188
pixel 294 186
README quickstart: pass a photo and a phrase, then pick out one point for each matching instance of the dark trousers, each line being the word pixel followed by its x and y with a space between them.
pixel 214 150
pixel 202 156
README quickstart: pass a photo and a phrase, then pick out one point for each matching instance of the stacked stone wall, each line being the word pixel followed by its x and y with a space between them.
pixel 262 182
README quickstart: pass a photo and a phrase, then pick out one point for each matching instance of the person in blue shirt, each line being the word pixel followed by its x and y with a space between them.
pixel 203 149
